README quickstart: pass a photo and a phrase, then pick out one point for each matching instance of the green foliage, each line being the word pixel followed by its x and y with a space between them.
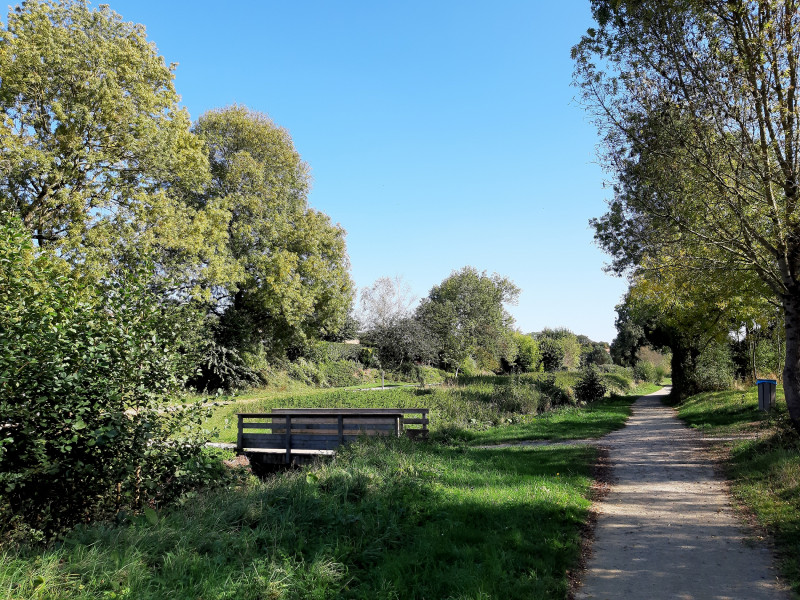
pixel 291 281
pixel 399 343
pixel 529 356
pixel 554 394
pixel 518 396
pixel 590 387
pixel 465 314
pixel 341 373
pixel 83 374
pixel 562 347
pixel 425 374
pixel 714 369
pixel 96 150
pixel 645 371
pixel 552 354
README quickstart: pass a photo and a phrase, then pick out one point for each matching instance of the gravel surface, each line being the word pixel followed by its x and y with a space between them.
pixel 666 529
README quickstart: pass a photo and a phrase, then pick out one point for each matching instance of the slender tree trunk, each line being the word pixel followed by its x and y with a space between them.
pixel 791 368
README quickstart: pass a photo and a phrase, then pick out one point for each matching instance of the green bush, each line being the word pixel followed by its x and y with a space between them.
pixel 425 374
pixel 84 372
pixel 341 373
pixel 645 371
pixel 590 386
pixel 714 369
pixel 553 394
pixel 529 358
pixel 518 397
pixel 306 372
pixel 617 382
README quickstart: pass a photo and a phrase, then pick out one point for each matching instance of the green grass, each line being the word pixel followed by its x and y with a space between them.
pixel 467 412
pixel 765 471
pixel 729 412
pixel 383 520
pixel 568 423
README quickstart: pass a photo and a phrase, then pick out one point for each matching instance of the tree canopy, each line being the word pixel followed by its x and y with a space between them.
pixel 290 271
pixel 94 145
pixel 696 102
pixel 466 315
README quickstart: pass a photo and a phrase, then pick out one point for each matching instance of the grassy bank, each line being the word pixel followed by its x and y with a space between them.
pixel 384 519
pixel 381 521
pixel 476 410
pixel 764 471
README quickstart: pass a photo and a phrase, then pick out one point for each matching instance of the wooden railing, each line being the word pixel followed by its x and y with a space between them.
pixel 297 432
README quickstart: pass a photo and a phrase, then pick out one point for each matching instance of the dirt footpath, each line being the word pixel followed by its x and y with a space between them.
pixel 666 529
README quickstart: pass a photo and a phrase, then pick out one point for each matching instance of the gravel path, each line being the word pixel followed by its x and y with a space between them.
pixel 666 529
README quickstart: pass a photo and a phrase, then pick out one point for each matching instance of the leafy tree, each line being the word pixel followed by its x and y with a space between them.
pixel 697 104
pixel 560 349
pixel 291 281
pixel 95 148
pixel 595 354
pixel 387 300
pixel 465 313
pixel 552 354
pixel 529 356
pixel 401 342
pixel 84 373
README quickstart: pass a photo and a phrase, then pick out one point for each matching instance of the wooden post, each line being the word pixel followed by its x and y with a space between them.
pixel 288 439
pixel 239 434
pixel 340 428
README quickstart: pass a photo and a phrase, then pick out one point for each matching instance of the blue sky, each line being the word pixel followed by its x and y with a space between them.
pixel 439 134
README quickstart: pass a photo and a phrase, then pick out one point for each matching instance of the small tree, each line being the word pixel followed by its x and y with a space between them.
pixel 590 386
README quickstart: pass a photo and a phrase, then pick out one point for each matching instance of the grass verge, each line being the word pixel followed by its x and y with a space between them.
pixel 764 471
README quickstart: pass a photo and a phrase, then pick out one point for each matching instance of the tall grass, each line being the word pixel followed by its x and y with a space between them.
pixel 383 520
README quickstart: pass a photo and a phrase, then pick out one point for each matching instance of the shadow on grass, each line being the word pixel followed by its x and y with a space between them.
pixel 766 477
pixel 384 520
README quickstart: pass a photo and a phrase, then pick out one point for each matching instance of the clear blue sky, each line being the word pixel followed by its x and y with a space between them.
pixel 439 134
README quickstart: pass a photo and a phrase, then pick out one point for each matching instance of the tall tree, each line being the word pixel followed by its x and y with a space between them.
pixel 697 103
pixel 466 314
pixel 94 143
pixel 387 300
pixel 291 277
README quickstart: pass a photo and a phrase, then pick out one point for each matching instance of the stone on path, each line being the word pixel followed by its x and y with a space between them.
pixel 666 529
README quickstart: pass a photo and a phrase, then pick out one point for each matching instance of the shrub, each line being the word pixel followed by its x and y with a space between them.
pixel 714 368
pixel 306 372
pixel 84 372
pixel 517 396
pixel 552 393
pixel 529 358
pixel 426 374
pixel 340 373
pixel 590 386
pixel 645 371
pixel 552 354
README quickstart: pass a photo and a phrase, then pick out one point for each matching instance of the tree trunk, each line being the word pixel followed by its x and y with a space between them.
pixel 791 368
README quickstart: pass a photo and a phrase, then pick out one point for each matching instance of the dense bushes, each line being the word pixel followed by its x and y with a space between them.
pixel 84 370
